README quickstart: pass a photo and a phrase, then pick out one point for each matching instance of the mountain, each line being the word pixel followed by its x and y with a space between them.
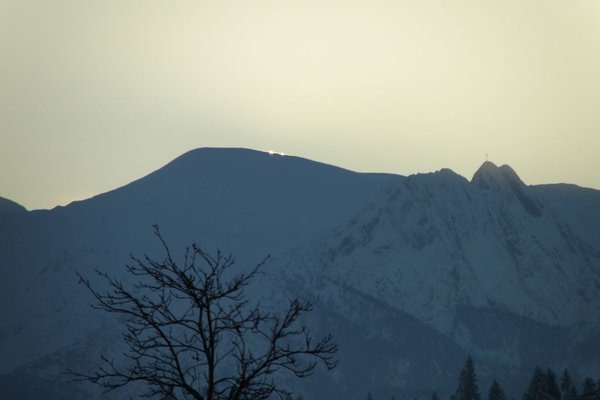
pixel 412 273
pixel 508 272
pixel 436 241
pixel 246 202
pixel 9 207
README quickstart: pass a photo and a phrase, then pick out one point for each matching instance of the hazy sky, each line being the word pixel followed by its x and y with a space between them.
pixel 95 94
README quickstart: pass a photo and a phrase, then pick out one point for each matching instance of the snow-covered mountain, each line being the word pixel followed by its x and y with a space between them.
pixel 436 241
pixel 412 273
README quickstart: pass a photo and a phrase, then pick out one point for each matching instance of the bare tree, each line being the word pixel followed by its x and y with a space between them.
pixel 192 333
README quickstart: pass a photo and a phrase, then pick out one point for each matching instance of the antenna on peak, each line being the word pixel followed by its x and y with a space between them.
pixel 486 156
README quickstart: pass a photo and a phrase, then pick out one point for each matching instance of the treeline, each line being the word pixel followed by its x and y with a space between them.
pixel 544 385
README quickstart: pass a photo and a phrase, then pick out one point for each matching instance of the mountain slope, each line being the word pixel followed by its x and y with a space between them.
pixel 411 273
pixel 493 264
pixel 9 207
pixel 246 202
pixel 436 241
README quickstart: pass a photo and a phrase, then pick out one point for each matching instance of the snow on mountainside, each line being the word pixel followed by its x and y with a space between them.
pixel 245 202
pixel 412 273
pixel 490 263
pixel 579 206
pixel 437 241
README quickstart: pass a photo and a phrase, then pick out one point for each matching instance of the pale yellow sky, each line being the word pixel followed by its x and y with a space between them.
pixel 95 94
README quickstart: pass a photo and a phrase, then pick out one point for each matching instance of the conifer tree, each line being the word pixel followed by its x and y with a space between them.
pixel 537 386
pixel 569 391
pixel 496 392
pixel 551 387
pixel 590 391
pixel 369 397
pixel 467 383
pixel 434 396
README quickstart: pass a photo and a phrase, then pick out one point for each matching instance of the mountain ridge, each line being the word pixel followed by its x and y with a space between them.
pixel 433 252
pixel 237 151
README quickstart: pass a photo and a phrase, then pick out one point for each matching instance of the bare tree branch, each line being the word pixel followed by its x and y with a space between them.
pixel 191 333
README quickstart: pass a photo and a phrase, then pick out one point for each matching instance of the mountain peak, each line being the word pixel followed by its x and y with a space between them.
pixel 9 207
pixel 505 180
pixel 490 176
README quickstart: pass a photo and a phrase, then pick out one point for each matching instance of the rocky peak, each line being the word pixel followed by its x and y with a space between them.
pixel 505 180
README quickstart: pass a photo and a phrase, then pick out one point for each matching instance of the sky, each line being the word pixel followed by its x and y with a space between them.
pixel 96 94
